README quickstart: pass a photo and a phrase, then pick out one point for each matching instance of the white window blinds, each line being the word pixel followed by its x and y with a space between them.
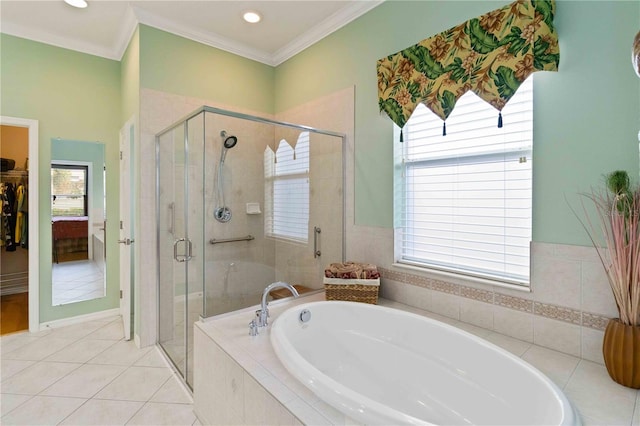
pixel 463 201
pixel 287 190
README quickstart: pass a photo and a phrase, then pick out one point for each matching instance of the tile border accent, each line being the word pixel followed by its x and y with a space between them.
pixel 512 302
pixel 594 321
pixel 559 313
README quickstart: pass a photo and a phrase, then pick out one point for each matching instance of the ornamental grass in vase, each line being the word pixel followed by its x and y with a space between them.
pixel 615 233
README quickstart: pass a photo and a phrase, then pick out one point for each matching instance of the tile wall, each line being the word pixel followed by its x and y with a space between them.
pixel 566 310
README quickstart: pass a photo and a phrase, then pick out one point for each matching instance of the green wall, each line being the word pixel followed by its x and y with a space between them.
pixel 586 116
pixel 173 64
pixel 73 96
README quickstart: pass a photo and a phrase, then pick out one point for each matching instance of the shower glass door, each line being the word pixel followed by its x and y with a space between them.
pixel 180 240
pixel 172 245
pixel 194 219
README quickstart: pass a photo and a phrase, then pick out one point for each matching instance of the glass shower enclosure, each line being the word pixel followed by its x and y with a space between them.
pixel 242 202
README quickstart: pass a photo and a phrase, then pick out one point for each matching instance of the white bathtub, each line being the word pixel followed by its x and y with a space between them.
pixel 380 365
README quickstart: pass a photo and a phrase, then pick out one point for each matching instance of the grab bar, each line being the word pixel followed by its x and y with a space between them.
pixel 231 240
pixel 316 233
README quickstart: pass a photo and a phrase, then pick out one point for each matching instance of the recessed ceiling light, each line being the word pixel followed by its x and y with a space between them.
pixel 252 17
pixel 77 3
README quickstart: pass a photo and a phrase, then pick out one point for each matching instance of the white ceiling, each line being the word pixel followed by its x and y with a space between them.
pixel 105 27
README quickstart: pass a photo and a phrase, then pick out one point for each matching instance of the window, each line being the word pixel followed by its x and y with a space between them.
pixel 463 201
pixel 287 190
pixel 69 190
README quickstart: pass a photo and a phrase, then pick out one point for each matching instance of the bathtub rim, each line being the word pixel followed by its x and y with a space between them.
pixel 333 392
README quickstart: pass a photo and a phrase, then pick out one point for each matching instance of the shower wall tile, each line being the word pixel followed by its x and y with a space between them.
pixel 476 313
pixel 597 296
pixel 392 290
pixel 580 253
pixel 570 280
pixel 445 304
pixel 421 298
pixel 558 335
pixel 556 280
pixel 513 323
pixel 379 249
pixel 592 344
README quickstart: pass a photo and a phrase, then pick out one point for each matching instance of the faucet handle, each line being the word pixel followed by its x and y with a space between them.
pixel 253 328
pixel 263 317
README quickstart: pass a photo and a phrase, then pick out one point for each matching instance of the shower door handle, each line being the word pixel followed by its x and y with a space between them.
pixel 176 257
pixel 182 257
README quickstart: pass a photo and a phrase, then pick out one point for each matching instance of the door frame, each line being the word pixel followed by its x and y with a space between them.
pixel 127 200
pixel 33 219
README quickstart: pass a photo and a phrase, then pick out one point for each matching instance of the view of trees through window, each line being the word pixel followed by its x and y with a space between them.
pixel 69 190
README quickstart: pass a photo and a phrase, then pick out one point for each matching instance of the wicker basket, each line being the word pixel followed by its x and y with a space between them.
pixel 365 291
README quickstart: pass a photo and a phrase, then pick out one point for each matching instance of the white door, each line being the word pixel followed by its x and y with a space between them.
pixel 126 228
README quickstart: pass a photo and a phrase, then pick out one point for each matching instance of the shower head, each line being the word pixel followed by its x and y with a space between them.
pixel 229 140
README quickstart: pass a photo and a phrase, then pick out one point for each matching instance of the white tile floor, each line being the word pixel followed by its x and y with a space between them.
pixel 76 281
pixel 86 374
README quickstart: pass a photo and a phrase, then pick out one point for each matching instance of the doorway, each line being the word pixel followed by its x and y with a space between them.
pixel 19 273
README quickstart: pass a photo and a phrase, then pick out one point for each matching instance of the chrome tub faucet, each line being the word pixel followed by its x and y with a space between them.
pixel 263 314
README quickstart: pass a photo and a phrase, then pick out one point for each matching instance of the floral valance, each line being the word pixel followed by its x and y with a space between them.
pixel 490 55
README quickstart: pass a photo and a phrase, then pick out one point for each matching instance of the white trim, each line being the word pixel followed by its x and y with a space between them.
pixel 323 29
pixel 34 218
pixel 94 316
pixel 57 40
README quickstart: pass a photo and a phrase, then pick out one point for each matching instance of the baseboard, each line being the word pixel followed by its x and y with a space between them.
pixel 94 316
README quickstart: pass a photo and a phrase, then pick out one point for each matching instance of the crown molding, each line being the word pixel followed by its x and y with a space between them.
pixel 127 29
pixel 324 28
pixel 58 41
pixel 209 39
pixel 135 16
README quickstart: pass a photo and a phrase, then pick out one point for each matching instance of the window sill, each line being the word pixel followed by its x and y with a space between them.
pixel 438 274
